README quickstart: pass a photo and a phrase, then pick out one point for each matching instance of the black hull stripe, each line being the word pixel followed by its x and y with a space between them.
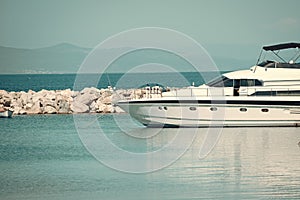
pixel 221 120
pixel 242 102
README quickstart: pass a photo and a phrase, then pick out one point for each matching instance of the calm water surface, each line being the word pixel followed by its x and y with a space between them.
pixel 37 82
pixel 42 157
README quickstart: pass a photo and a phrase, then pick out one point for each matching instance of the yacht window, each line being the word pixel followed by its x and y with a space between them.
pixel 245 82
pixel 277 93
pixel 193 108
pixel 257 82
pixel 243 109
pixel 237 83
pixel 250 82
pixel 213 109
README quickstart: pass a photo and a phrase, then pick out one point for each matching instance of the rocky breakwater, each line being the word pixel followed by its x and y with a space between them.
pixel 89 100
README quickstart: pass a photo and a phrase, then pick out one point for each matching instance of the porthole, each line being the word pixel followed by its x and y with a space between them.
pixel 265 110
pixel 160 108
pixel 243 109
pixel 213 109
pixel 165 108
pixel 193 108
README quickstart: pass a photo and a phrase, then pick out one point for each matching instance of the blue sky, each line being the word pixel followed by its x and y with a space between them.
pixel 232 31
pixel 40 23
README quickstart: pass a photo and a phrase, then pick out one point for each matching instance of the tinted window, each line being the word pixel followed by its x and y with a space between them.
pixel 250 82
pixel 213 109
pixel 257 83
pixel 243 109
pixel 193 108
pixel 228 83
pixel 244 82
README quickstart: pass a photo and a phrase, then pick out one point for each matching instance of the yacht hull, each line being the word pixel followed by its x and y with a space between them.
pixel 209 113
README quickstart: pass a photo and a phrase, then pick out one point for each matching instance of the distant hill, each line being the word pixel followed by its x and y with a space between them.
pixel 67 58
pixel 61 58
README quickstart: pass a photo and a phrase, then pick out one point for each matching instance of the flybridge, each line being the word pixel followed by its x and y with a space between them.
pixel 281 46
pixel 282 63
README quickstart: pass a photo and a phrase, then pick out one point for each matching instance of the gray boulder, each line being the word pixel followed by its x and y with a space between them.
pixel 34 108
pixel 78 107
pixel 63 107
pixel 85 98
pixel 49 110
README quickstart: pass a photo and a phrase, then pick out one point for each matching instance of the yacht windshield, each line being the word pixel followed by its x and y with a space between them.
pixel 273 64
pixel 221 82
pixel 267 63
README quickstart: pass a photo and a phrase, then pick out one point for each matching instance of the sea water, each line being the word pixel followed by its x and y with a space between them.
pixel 37 82
pixel 43 157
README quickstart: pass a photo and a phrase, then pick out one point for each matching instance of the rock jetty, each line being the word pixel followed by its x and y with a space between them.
pixel 88 100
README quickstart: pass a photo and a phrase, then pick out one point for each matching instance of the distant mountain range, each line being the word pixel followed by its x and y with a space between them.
pixel 61 58
pixel 67 58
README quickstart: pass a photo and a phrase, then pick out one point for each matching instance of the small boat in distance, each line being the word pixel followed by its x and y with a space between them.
pixel 5 113
pixel 268 94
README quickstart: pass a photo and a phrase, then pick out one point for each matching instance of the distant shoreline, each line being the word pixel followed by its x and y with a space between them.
pixel 37 82
pixel 75 73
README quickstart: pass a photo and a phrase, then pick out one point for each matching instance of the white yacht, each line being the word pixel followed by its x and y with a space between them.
pixel 5 113
pixel 268 94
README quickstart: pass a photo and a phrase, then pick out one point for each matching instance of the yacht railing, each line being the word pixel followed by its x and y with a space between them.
pixel 150 93
pixel 243 91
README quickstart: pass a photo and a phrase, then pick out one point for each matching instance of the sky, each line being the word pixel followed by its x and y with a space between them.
pixel 40 23
pixel 231 31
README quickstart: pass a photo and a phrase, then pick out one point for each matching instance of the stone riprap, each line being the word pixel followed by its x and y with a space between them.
pixel 88 100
